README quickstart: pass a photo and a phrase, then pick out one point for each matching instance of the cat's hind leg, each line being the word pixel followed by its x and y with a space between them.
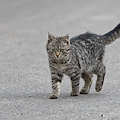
pixel 100 79
pixel 88 81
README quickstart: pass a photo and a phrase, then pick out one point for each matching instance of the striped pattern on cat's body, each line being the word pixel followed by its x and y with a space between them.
pixel 81 56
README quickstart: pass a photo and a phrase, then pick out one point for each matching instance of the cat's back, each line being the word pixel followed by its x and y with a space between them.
pixel 88 42
pixel 87 37
pixel 89 50
pixel 88 46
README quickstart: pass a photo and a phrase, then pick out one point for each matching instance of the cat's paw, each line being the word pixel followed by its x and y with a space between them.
pixel 74 93
pixel 83 91
pixel 53 96
pixel 98 87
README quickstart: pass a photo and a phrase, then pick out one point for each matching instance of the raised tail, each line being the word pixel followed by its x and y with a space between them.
pixel 112 35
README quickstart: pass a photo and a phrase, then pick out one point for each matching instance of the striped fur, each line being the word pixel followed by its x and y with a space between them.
pixel 80 56
pixel 112 35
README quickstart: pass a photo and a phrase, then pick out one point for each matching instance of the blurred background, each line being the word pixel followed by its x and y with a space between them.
pixel 24 25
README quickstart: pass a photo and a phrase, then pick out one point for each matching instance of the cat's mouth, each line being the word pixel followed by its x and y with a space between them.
pixel 57 54
pixel 60 60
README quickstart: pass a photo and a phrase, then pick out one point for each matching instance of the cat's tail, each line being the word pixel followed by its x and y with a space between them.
pixel 112 35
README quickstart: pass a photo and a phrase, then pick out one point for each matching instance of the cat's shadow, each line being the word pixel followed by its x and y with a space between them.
pixel 83 96
pixel 39 96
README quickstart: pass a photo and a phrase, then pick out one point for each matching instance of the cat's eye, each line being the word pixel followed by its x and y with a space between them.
pixel 53 50
pixel 61 50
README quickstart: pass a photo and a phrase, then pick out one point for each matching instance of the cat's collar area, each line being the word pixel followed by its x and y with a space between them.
pixel 61 62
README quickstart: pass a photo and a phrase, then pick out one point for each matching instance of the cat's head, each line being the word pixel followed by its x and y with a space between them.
pixel 58 48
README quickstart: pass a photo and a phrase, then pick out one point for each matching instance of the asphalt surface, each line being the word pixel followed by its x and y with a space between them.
pixel 25 83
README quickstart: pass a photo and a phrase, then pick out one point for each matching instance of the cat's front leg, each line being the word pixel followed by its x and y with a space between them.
pixel 56 80
pixel 75 77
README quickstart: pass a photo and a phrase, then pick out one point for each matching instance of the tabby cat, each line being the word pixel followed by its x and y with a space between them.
pixel 80 56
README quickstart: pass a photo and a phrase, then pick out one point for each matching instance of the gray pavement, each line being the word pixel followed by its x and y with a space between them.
pixel 25 83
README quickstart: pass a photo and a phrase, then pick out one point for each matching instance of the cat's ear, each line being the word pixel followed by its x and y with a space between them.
pixel 66 39
pixel 50 38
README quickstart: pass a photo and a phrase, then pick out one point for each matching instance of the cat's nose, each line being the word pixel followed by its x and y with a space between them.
pixel 57 54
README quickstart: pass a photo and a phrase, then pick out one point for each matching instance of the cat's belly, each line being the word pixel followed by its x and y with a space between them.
pixel 89 68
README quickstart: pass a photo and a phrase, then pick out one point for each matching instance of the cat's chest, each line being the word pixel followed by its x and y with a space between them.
pixel 60 67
